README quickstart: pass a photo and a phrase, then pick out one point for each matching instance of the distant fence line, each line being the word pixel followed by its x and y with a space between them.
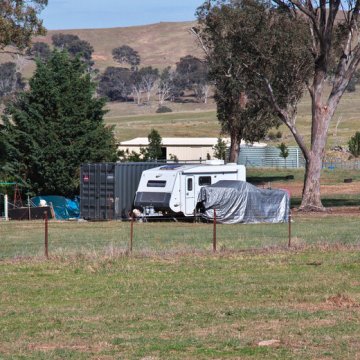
pixel 269 157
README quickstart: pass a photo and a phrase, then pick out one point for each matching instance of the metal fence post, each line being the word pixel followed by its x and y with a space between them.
pixel 131 232
pixel 289 240
pixel 46 234
pixel 214 232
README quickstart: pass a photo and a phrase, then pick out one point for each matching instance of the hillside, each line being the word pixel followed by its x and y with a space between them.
pixel 159 45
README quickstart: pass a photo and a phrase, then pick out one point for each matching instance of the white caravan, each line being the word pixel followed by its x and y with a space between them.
pixel 173 189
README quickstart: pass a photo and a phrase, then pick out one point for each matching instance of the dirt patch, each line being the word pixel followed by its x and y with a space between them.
pixel 78 347
pixel 330 211
pixel 98 57
pixel 295 188
pixel 339 301
pixel 342 301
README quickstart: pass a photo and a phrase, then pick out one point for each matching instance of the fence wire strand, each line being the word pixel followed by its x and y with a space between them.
pixel 26 238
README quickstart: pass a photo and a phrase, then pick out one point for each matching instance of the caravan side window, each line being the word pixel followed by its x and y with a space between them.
pixel 189 184
pixel 204 180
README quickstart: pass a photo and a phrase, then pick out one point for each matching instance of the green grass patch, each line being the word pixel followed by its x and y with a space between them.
pixel 193 307
pixel 26 239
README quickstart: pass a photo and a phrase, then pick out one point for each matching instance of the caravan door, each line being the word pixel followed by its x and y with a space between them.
pixel 189 195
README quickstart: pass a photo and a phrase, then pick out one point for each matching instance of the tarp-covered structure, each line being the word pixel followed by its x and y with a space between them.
pixel 241 202
pixel 64 208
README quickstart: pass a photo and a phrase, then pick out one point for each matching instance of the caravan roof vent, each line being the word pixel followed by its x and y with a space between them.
pixel 214 162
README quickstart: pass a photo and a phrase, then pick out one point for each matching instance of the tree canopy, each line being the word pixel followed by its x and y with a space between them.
pixel 55 126
pixel 115 83
pixel 126 55
pixel 11 80
pixel 19 22
pixel 286 47
pixel 226 33
pixel 39 50
pixel 75 46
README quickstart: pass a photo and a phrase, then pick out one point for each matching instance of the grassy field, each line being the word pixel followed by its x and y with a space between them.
pixel 183 307
pixel 194 119
pixel 173 298
pixel 26 239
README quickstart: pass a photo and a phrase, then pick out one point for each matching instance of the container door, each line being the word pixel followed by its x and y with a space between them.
pixel 189 195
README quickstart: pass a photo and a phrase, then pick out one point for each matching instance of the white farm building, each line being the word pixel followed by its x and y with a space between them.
pixel 184 148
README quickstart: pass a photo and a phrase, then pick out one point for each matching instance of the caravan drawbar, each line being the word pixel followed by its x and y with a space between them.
pixel 173 189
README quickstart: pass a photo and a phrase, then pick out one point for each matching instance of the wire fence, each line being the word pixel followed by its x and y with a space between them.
pixel 20 239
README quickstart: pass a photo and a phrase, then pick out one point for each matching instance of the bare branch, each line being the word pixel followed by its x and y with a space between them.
pixel 199 40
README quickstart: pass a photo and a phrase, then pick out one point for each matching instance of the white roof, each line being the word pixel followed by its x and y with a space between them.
pixel 192 141
pixel 183 141
pixel 194 168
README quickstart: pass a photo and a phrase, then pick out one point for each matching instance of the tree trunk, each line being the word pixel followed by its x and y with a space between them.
pixel 234 149
pixel 311 200
pixel 321 116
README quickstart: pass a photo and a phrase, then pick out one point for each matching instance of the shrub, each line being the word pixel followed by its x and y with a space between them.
pixel 354 144
pixel 271 135
pixel 163 109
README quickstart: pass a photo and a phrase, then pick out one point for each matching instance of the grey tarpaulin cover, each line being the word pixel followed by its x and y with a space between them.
pixel 241 202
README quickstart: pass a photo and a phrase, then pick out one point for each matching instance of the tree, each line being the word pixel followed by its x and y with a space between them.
pixel 294 46
pixel 166 85
pixel 149 76
pixel 62 41
pixel 192 74
pixel 242 113
pixel 39 50
pixel 115 84
pixel 143 81
pixel 284 151
pixel 20 22
pixel 126 55
pixel 75 46
pixel 220 149
pixel 11 80
pixel 354 144
pixel 153 151
pixel 55 126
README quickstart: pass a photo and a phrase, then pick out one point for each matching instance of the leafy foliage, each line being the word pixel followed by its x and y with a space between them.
pixel 284 151
pixel 39 50
pixel 354 144
pixel 163 109
pixel 232 34
pixel 151 152
pixel 154 148
pixel 115 83
pixel 55 126
pixel 220 149
pixel 75 46
pixel 126 55
pixel 11 80
pixel 19 22
pixel 192 74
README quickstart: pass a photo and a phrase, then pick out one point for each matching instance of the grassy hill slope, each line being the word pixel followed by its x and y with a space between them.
pixel 159 45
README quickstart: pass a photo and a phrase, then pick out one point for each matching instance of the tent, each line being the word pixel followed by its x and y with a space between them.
pixel 64 208
pixel 241 202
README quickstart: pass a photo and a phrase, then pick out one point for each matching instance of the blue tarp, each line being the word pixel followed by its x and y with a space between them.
pixel 64 208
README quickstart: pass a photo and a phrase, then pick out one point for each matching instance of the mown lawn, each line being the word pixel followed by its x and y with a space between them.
pixel 183 307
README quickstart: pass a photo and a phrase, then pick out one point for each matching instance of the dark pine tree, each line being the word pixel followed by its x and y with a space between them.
pixel 55 126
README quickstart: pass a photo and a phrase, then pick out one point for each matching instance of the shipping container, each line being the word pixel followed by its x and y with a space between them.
pixel 107 190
